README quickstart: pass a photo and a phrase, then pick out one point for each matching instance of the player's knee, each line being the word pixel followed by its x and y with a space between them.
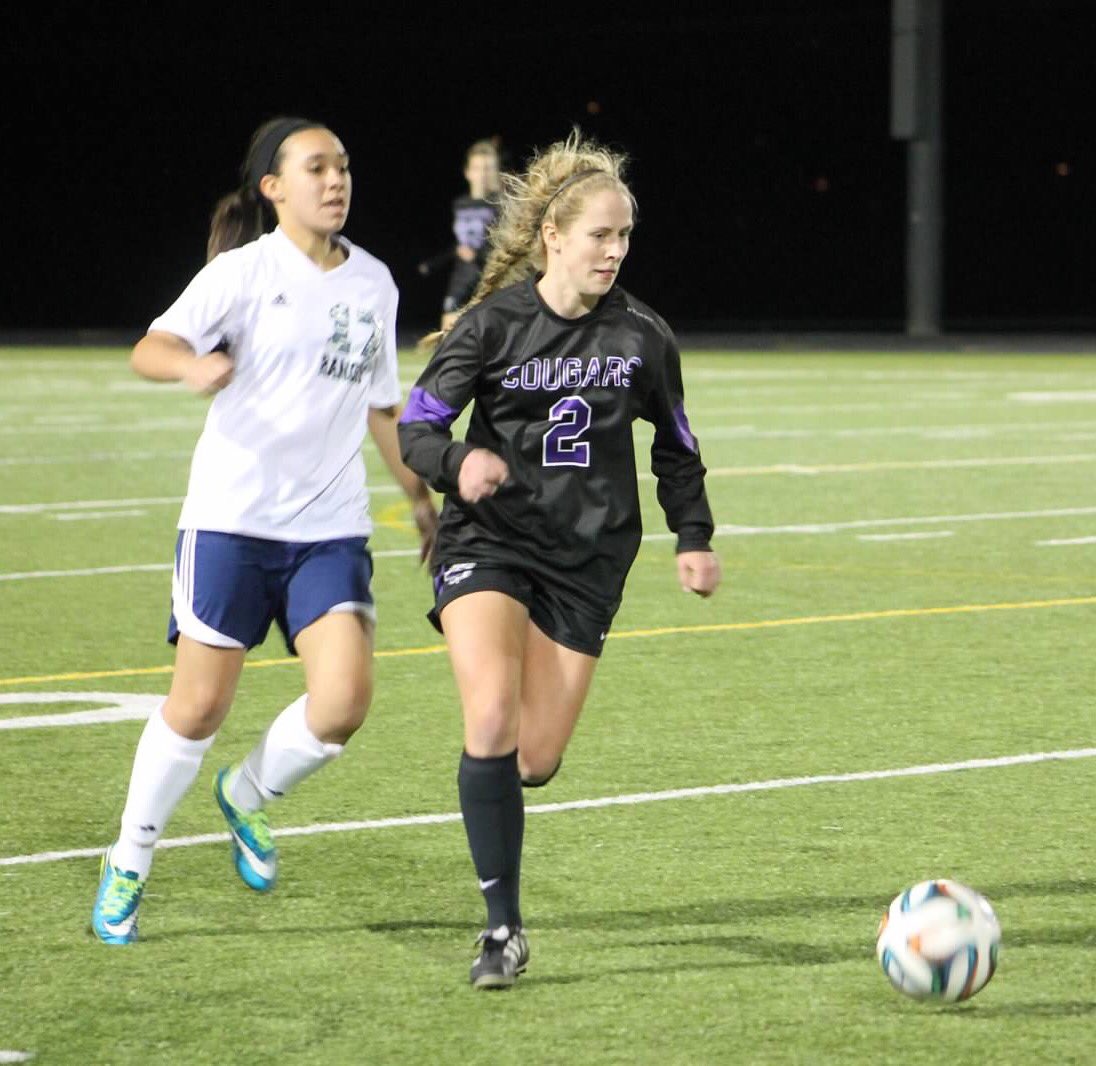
pixel 197 711
pixel 536 774
pixel 490 728
pixel 342 707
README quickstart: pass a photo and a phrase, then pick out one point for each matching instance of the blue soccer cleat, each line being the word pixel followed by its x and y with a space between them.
pixel 253 849
pixel 114 917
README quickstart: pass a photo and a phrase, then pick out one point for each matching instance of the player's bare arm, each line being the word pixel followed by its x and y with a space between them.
pixel 382 428
pixel 162 356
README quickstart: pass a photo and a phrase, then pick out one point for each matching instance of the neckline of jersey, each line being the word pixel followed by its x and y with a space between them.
pixel 307 263
pixel 581 320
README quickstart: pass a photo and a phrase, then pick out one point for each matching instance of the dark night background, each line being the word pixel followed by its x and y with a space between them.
pixel 771 193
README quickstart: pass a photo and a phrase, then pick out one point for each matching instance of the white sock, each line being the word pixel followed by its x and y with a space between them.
pixel 287 754
pixel 164 768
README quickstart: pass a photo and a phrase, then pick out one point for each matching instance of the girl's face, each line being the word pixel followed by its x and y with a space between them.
pixel 587 255
pixel 313 189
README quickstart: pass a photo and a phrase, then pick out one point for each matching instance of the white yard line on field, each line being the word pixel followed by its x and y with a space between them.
pixel 905 536
pixel 721 531
pixel 869 523
pixel 65 418
pixel 79 362
pixel 96 571
pixel 922 400
pixel 715 472
pixel 85 505
pixel 626 800
pixel 811 469
pixel 82 516
pixel 959 431
pixel 71 429
pixel 868 390
pixel 144 501
pixel 91 571
pixel 1056 396
pixel 93 457
pixel 16 1056
pixel 859 405
pixel 1064 541
pixel 832 373
pixel 121 707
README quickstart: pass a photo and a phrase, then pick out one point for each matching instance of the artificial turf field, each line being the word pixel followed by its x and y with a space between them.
pixel 909 545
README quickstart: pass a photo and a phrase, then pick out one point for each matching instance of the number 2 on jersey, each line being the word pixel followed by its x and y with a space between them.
pixel 562 446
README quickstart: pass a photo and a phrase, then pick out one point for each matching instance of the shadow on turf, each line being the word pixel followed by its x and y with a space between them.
pixel 978 1012
pixel 718 912
pixel 732 909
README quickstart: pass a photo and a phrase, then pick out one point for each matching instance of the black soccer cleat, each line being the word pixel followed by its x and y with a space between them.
pixel 504 955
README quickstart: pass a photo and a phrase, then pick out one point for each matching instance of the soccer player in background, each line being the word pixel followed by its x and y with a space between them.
pixel 541 519
pixel 294 334
pixel 473 215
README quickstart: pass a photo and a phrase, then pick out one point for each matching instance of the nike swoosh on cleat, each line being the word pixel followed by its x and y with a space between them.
pixel 261 866
pixel 121 928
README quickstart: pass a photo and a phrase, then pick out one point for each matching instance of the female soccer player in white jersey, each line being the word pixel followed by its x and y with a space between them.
pixel 541 519
pixel 294 332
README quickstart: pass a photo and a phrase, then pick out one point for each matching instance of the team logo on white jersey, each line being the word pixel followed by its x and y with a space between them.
pixel 351 351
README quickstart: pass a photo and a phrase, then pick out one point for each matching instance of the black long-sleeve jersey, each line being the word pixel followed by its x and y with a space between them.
pixel 556 398
pixel 472 218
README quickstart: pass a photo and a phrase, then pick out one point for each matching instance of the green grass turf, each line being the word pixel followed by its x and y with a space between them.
pixel 729 928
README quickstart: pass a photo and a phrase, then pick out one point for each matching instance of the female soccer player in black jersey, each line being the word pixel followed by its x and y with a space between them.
pixel 541 520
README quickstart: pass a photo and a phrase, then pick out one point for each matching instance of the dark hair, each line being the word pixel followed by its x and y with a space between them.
pixel 244 214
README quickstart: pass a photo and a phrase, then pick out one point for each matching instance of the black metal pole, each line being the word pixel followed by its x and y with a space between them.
pixel 916 96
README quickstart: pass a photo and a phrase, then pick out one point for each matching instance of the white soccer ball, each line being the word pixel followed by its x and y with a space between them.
pixel 939 940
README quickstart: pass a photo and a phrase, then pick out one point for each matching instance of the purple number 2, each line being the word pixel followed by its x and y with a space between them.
pixel 561 444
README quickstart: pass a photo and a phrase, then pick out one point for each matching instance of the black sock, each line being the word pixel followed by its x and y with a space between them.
pixel 493 809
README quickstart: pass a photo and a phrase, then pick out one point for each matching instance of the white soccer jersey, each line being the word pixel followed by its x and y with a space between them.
pixel 280 454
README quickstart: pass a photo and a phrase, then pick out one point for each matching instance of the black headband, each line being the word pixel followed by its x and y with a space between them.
pixel 574 179
pixel 260 160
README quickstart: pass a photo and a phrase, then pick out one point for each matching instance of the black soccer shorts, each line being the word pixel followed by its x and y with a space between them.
pixel 579 625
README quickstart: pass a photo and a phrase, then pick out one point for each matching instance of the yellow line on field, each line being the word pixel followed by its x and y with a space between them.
pixel 252 664
pixel 718 627
pixel 141 671
pixel 860 616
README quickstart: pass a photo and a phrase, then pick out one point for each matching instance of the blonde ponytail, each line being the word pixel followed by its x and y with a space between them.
pixel 553 189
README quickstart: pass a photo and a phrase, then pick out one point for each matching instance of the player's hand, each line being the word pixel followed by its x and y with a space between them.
pixel 699 572
pixel 426 521
pixel 466 253
pixel 481 474
pixel 209 374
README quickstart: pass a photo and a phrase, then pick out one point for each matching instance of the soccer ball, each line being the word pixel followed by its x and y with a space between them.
pixel 939 941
